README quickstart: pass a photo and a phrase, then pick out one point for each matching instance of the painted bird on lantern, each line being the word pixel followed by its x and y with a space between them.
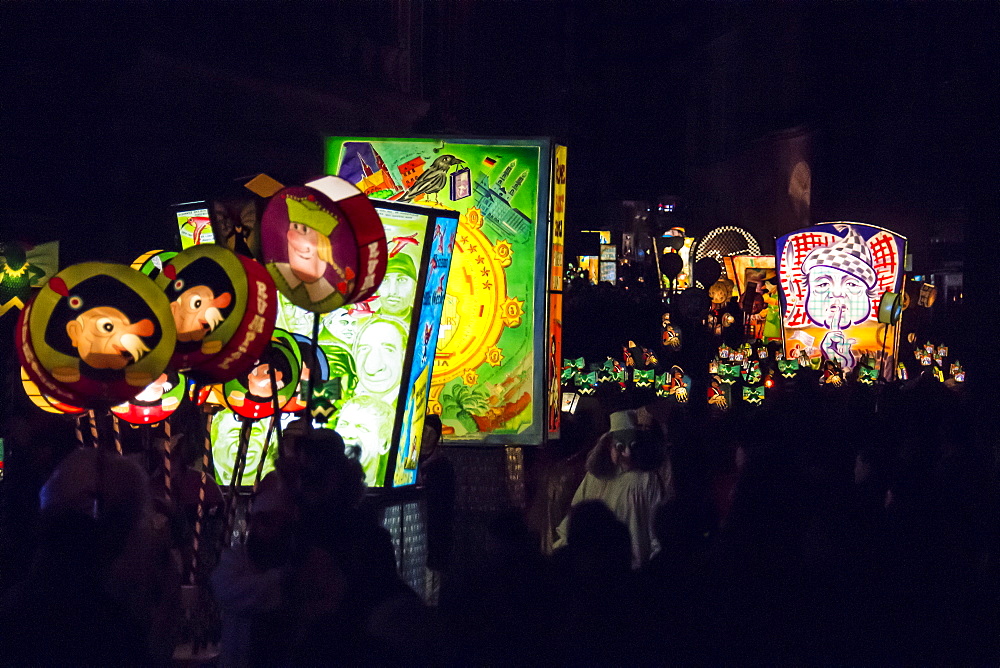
pixel 432 180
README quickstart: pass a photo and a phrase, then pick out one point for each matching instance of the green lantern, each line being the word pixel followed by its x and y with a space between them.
pixel 788 368
pixel 643 378
pixel 753 395
pixel 729 373
pixel 867 375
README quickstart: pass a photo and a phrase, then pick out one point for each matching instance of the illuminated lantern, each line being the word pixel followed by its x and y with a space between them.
pixel 314 366
pixel 324 244
pixel 96 335
pixel 662 385
pixel 199 394
pixel 223 307
pixel 839 290
pixel 929 348
pixel 23 267
pixel 643 378
pixel 957 372
pixel 47 404
pixel 567 375
pixel 627 355
pixel 729 373
pixel 680 385
pixel 832 374
pixel 718 394
pixel 867 375
pixel 251 396
pixel 156 402
pixel 926 359
pixel 752 374
pixel 152 263
pixel 672 337
pixel 753 395
pixel 724 352
pixel 788 368
pixel 726 241
pixel 586 383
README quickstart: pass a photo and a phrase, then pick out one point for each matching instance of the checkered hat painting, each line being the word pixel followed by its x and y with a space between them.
pixel 870 255
pixel 849 254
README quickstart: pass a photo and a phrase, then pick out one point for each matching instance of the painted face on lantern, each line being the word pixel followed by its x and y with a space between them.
pixel 365 423
pixel 396 293
pixel 106 339
pixel 342 325
pixel 836 299
pixel 379 354
pixel 259 380
pixel 304 253
pixel 197 312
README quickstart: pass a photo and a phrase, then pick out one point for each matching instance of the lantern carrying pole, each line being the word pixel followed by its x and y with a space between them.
pixel 117 432
pixel 206 467
pixel 309 385
pixel 92 415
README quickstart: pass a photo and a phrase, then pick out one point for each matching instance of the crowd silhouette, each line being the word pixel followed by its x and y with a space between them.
pixel 849 525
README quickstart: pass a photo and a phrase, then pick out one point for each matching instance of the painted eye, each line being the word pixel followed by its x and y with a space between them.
pixel 196 303
pixel 106 325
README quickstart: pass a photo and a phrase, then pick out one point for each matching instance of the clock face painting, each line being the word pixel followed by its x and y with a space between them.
pixel 488 379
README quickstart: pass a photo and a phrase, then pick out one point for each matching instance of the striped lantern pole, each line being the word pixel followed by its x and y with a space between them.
pixel 93 427
pixel 116 427
pixel 206 467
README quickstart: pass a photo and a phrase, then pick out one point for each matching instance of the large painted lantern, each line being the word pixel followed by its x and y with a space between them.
pixel 497 366
pixel 833 278
pixel 96 335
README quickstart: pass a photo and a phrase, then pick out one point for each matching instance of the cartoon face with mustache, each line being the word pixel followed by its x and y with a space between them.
pixel 105 338
pixel 197 312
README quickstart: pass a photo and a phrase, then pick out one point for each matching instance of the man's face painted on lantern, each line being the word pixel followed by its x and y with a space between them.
pixel 303 253
pixel 836 299
pixel 106 339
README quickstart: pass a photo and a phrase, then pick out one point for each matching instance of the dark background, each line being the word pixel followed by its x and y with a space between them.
pixel 113 111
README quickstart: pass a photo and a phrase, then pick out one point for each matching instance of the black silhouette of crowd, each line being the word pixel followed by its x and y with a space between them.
pixel 852 525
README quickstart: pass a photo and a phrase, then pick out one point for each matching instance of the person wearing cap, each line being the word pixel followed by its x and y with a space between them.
pixel 840 281
pixel 624 471
pixel 309 252
pixel 398 287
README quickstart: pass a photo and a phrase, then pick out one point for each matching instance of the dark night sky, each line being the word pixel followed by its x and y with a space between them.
pixel 899 93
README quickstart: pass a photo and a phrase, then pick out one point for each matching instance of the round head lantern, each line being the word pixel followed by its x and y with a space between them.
pixel 223 306
pixel 96 335
pixel 323 244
